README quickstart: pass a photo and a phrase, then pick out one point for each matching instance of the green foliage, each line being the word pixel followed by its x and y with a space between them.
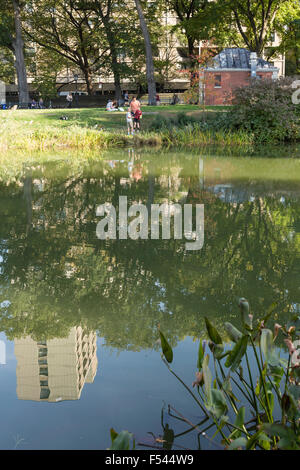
pixel 265 109
pixel 267 434
pixel 180 120
pixel 244 23
pixel 122 441
pixel 212 332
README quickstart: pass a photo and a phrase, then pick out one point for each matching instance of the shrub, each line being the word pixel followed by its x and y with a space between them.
pixel 180 120
pixel 265 109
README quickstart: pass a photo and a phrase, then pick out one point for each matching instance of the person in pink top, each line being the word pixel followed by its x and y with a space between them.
pixel 134 105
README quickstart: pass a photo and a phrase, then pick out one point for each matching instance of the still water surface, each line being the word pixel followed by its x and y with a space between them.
pixel 79 316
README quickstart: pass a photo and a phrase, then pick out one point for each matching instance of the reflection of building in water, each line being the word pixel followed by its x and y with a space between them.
pixel 57 369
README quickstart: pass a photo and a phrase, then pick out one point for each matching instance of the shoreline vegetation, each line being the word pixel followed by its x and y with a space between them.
pixel 96 129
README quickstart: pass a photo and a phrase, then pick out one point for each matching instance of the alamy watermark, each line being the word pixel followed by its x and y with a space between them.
pixel 296 94
pixel 137 222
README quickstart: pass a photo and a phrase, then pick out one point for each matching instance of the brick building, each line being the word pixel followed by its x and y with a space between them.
pixel 232 68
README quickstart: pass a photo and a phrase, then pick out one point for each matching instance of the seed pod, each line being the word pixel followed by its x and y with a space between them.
pixel 245 310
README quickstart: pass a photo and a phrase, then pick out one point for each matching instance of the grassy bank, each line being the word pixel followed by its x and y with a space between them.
pixel 97 129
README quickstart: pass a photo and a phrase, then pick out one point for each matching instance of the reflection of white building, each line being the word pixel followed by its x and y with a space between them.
pixel 57 369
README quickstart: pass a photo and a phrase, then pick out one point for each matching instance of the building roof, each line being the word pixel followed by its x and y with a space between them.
pixel 237 58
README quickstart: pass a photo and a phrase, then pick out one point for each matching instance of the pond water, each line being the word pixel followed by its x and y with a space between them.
pixel 79 316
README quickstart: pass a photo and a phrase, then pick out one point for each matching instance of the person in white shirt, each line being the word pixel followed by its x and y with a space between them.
pixel 110 106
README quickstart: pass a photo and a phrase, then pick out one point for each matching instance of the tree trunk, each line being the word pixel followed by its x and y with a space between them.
pixel 88 80
pixel 149 55
pixel 191 43
pixel 18 47
pixel 28 201
pixel 114 64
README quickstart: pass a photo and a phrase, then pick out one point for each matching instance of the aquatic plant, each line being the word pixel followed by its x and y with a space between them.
pixel 271 379
pixel 121 441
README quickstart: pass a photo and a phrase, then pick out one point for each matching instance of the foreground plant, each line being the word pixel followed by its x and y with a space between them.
pixel 121 441
pixel 270 379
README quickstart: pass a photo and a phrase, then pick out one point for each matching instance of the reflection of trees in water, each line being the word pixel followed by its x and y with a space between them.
pixel 58 275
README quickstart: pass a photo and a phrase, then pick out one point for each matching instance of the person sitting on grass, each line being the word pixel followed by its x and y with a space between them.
pixel 129 122
pixel 137 120
pixel 110 106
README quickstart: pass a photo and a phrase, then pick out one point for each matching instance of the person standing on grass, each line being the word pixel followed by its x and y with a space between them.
pixel 126 98
pixel 134 106
pixel 69 100
pixel 129 121
pixel 137 120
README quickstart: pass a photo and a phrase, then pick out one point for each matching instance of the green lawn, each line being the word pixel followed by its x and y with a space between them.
pixel 92 128
pixel 91 117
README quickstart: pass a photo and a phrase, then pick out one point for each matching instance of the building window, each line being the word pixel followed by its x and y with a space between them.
pixel 218 81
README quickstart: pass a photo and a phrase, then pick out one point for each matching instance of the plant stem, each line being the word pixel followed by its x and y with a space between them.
pixel 186 387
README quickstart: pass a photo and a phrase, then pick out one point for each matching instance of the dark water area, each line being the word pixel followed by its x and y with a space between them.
pixel 79 316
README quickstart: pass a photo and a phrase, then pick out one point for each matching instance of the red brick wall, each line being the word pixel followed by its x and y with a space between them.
pixel 229 81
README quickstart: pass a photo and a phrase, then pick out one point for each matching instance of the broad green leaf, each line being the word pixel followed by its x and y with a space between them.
pixel 122 441
pixel 267 347
pixel 200 355
pixel 239 422
pixel 288 439
pixel 277 373
pixel 219 404
pixel 238 443
pixel 212 332
pixel 266 343
pixel 236 354
pixel 216 349
pixel 264 441
pixel 240 417
pixel 233 333
pixel 207 376
pixel 166 348
pixel 251 443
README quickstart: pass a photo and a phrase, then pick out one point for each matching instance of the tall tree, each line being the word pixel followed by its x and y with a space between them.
pixel 186 11
pixel 247 23
pixel 11 38
pixel 149 54
pixel 108 13
pixel 18 47
pixel 71 31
